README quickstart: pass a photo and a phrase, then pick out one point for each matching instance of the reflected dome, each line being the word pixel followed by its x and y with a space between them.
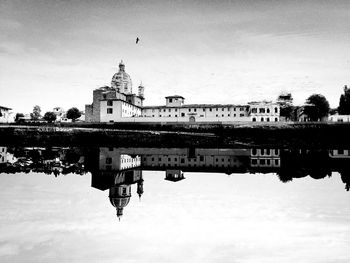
pixel 119 196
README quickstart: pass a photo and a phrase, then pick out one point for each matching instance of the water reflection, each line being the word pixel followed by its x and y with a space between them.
pixel 119 169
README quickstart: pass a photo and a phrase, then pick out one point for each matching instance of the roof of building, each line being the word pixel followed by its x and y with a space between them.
pixel 261 102
pixel 196 106
pixel 5 108
pixel 174 96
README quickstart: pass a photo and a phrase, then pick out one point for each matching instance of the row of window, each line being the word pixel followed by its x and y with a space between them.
pixel 264 119
pixel 263 110
pixel 265 151
pixel 182 160
pixel 184 115
pixel 195 109
pixel 265 161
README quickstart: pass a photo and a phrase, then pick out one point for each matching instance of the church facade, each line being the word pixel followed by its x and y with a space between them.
pixel 118 103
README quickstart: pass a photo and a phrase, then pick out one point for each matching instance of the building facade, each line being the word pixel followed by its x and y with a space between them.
pixel 118 103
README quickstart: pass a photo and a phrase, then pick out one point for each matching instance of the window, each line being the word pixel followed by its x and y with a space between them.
pixel 170 100
pixel 217 109
pixel 254 161
pixel 210 109
pixel 241 115
pixel 268 110
pixel 268 162
pixel 203 109
pixel 222 115
pixel 160 115
pixel 195 110
pixel 223 109
pixel 182 160
pixel 104 96
pixel 276 119
pixel 169 159
pixel 234 115
pixel 262 161
pixel 175 110
pixel 276 110
pixel 160 159
pixel 276 161
pixel 254 110
pixel 109 102
pixel 109 111
pixel 228 115
pixel 267 119
pixel 182 114
pixel 108 160
pixel 201 158
pixel 261 110
pixel 169 110
pixel 276 151
pixel 175 115
pixel 189 110
pixel 267 151
pixel 254 152
pixel 262 119
pixel 340 151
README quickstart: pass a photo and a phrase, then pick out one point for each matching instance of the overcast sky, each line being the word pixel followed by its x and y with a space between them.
pixel 54 53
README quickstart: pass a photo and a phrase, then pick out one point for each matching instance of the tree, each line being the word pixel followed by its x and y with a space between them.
pixel 50 116
pixel 18 117
pixel 317 107
pixel 344 102
pixel 36 114
pixel 73 114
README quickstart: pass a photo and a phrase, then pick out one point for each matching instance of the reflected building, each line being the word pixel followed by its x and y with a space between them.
pixel 117 172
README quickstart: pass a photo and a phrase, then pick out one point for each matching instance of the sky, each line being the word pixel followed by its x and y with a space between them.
pixel 205 218
pixel 55 53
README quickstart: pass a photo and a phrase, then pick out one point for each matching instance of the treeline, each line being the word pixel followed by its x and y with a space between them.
pixel 315 108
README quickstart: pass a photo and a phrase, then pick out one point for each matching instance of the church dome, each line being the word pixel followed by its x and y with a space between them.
pixel 119 202
pixel 119 196
pixel 121 80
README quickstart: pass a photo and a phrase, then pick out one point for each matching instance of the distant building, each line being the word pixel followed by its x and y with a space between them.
pixel 118 103
pixel 6 157
pixel 264 111
pixel 5 114
pixel 339 118
pixel 60 114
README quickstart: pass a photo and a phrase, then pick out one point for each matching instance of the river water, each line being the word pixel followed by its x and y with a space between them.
pixel 174 205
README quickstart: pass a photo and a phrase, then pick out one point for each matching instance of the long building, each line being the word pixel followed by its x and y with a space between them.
pixel 118 103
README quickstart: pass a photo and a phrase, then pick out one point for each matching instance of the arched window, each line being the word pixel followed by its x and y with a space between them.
pixel 254 119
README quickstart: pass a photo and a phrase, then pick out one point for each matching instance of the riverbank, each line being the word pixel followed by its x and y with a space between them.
pixel 281 135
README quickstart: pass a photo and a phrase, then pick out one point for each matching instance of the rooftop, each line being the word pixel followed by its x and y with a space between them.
pixel 174 96
pixel 5 108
